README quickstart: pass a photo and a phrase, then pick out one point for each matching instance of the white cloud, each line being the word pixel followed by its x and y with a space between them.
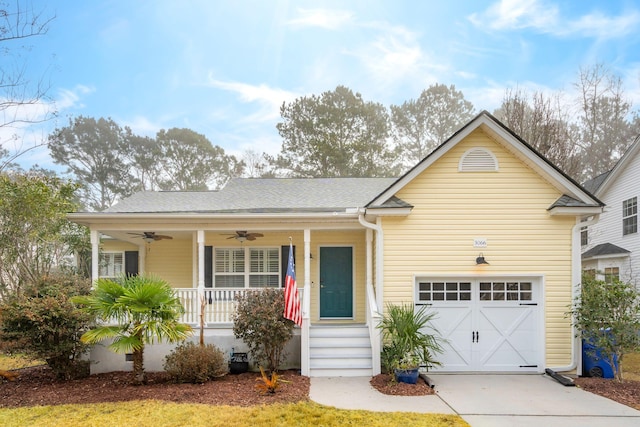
pixel 268 99
pixel 517 14
pixel 394 57
pixel 546 18
pixel 603 27
pixel 330 19
pixel 143 126
pixel 71 98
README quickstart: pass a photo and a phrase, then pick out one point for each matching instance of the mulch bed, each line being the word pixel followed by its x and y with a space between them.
pixel 386 384
pixel 37 386
pixel 626 392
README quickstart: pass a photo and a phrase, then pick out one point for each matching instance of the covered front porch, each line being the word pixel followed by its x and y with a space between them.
pixel 209 268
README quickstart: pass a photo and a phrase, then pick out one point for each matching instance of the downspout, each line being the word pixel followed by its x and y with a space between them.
pixel 576 278
pixel 379 255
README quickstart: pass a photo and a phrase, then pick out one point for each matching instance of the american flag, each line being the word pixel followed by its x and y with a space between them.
pixel 291 300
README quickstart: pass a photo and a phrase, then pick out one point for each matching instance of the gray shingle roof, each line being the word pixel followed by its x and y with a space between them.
pixel 568 201
pixel 604 249
pixel 254 195
pixel 593 184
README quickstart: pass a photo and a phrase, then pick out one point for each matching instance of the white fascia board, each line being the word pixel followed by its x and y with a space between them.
pixel 388 211
pixel 609 256
pixel 90 218
pixel 575 211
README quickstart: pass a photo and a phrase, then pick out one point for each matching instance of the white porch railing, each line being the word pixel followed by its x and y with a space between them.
pixel 220 304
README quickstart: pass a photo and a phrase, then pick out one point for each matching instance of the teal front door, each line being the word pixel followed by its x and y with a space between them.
pixel 336 282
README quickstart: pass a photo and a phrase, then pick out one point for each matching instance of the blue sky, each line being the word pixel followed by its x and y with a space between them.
pixel 223 68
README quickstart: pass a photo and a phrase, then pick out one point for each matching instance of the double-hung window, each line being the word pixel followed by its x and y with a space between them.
pixel 247 268
pixel 630 216
pixel 111 264
pixel 611 274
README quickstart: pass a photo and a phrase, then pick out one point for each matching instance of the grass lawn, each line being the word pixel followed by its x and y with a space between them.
pixel 156 414
pixel 631 366
pixel 16 361
pixel 159 414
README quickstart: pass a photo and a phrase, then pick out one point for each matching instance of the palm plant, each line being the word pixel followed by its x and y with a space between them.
pixel 407 343
pixel 144 310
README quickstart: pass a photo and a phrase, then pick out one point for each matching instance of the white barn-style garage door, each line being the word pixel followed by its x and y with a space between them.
pixel 491 325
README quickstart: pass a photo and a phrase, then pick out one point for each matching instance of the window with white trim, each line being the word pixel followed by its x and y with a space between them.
pixel 111 264
pixel 584 236
pixel 611 274
pixel 231 269
pixel 505 291
pixel 630 216
pixel 444 291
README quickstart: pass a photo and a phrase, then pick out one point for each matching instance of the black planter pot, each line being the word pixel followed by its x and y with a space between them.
pixel 239 363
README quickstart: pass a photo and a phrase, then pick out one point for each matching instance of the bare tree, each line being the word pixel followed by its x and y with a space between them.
pixel 604 119
pixel 255 164
pixel 544 122
pixel 22 100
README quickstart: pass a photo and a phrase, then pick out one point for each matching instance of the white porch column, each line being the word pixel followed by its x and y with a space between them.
pixel 200 239
pixel 95 255
pixel 306 306
pixel 142 258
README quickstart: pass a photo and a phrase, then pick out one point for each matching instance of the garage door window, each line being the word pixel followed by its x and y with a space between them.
pixel 505 291
pixel 444 291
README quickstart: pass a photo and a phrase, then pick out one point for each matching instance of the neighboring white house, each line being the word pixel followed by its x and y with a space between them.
pixel 611 247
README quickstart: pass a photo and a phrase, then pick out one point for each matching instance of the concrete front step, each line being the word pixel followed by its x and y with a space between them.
pixel 341 372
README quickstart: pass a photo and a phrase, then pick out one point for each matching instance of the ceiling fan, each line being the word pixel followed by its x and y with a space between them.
pixel 242 236
pixel 150 236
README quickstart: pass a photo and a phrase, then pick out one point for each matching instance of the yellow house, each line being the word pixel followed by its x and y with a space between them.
pixel 484 230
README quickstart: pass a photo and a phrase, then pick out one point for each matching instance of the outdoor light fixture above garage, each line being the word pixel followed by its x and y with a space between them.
pixel 480 260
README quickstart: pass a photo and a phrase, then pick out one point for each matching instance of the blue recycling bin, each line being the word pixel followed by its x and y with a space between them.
pixel 595 363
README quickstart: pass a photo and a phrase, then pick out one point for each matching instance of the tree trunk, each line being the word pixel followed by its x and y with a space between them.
pixel 138 367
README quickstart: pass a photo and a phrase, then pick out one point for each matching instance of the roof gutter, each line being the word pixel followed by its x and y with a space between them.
pixel 576 277
pixel 377 228
pixel 142 217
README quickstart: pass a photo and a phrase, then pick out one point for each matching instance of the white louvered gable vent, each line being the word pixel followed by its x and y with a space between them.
pixel 478 160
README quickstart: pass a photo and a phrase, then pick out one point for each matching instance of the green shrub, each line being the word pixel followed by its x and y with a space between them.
pixel 43 323
pixel 190 363
pixel 259 322
pixel 409 339
pixel 607 315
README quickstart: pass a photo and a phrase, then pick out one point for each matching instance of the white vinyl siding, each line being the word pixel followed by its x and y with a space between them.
pixel 609 228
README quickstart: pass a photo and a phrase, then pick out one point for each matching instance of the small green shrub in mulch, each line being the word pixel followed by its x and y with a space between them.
pixel 190 363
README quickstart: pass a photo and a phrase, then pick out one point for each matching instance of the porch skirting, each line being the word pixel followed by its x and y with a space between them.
pixel 104 360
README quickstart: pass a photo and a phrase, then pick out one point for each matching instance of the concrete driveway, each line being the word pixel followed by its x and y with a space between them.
pixel 485 400
pixel 528 400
